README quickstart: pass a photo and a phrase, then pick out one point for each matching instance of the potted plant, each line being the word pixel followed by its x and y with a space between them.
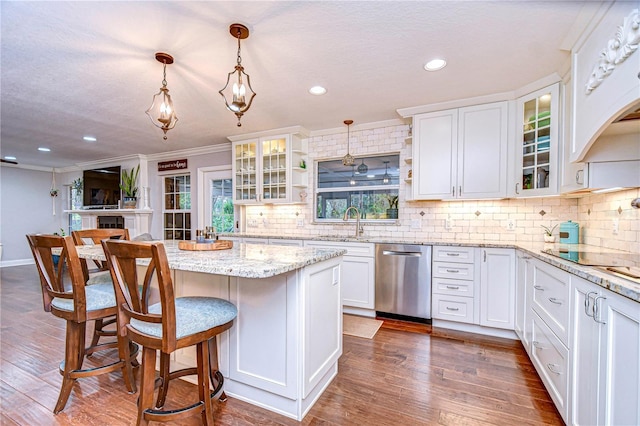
pixel 548 234
pixel 129 187
pixel 392 211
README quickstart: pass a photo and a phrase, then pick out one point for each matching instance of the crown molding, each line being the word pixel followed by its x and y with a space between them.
pixel 359 127
pixel 191 152
pixel 29 167
pixel 295 130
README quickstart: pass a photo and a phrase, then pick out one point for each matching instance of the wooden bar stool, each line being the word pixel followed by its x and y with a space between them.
pixel 77 304
pixel 100 273
pixel 171 324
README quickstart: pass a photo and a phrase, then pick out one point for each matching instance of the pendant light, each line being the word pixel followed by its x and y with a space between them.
pixel 352 182
pixel 386 177
pixel 348 159
pixel 363 168
pixel 161 111
pixel 240 88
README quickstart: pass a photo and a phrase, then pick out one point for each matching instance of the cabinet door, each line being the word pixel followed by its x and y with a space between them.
pixel 497 288
pixel 482 151
pixel 585 353
pixel 276 170
pixel 246 173
pixel 522 262
pixel 358 289
pixel 621 336
pixel 435 155
pixel 536 145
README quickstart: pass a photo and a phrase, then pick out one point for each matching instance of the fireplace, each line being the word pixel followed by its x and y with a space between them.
pixel 110 222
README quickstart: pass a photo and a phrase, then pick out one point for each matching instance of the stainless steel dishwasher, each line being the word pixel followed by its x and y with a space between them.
pixel 403 281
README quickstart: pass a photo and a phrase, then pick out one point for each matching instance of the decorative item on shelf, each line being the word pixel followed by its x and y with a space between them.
pixel 239 90
pixel 76 189
pixel 548 233
pixel 386 178
pixel 348 159
pixel 129 188
pixel 392 211
pixel 303 196
pixel 410 174
pixel 303 164
pixel 161 111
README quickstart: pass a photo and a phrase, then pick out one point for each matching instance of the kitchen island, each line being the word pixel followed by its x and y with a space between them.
pixel 283 349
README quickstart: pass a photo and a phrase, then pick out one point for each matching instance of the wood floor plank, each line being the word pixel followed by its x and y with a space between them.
pixel 407 374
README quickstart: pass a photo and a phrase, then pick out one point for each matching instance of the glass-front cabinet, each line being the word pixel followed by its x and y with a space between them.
pixel 270 170
pixel 537 154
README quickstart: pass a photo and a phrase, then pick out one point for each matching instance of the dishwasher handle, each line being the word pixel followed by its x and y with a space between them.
pixel 401 253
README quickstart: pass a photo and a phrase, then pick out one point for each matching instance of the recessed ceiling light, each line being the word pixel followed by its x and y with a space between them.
pixel 89 138
pixel 435 64
pixel 317 90
pixel 43 149
pixel 10 157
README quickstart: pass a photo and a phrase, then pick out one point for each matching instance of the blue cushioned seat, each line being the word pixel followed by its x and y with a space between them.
pixel 99 296
pixel 100 277
pixel 193 315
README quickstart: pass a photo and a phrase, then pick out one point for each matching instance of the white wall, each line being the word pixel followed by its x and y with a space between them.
pixel 26 208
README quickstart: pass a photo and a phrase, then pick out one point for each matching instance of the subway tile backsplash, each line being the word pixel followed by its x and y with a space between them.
pixel 470 220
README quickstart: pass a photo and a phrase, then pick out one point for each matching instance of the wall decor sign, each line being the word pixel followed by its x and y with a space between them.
pixel 617 51
pixel 164 166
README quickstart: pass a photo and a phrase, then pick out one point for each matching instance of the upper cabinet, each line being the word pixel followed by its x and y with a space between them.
pixel 537 143
pixel 605 79
pixel 270 169
pixel 460 153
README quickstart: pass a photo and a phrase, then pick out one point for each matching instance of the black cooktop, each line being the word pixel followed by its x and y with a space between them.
pixel 596 259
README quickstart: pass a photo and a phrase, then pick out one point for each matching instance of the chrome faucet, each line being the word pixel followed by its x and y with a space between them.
pixel 359 230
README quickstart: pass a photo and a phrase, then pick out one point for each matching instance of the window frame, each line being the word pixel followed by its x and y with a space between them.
pixel 187 230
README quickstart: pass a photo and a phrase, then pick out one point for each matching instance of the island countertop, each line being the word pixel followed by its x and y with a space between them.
pixel 243 260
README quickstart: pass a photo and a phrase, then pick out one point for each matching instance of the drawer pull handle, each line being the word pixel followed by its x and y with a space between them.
pixel 538 287
pixel 552 368
pixel 453 254
pixel 453 287
pixel 554 300
pixel 452 309
pixel 452 271
pixel 537 345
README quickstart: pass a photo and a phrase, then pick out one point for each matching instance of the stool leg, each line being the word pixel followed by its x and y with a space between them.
pixel 165 363
pixel 97 330
pixel 147 384
pixel 124 351
pixel 216 376
pixel 73 355
pixel 204 390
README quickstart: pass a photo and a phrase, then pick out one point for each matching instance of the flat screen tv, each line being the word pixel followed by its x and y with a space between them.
pixel 101 187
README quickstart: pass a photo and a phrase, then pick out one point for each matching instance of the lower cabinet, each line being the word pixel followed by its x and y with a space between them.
pixel 358 272
pixel 497 288
pixel 522 301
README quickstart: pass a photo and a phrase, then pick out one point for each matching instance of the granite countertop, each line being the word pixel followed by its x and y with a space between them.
pixel 243 260
pixel 615 283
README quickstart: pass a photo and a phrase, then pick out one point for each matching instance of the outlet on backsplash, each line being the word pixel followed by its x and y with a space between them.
pixel 448 224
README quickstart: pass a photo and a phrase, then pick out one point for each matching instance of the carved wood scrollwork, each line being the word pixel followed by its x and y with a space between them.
pixel 617 51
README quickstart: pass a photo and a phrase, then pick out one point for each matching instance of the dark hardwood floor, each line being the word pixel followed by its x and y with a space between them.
pixel 405 375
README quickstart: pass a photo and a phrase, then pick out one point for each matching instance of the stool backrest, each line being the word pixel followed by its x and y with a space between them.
pixel 96 235
pixel 53 275
pixel 132 302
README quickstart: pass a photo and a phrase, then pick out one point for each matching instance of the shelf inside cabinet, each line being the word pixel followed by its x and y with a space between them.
pixel 408 160
pixel 409 139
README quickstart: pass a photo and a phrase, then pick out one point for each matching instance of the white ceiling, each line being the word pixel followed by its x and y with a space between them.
pixel 71 69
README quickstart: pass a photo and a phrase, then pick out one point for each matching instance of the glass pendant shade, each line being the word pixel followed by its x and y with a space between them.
pixel 352 181
pixel 385 177
pixel 237 93
pixel 363 168
pixel 161 111
pixel 348 159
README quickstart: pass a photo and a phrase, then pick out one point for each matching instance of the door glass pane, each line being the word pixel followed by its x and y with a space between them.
pixel 221 199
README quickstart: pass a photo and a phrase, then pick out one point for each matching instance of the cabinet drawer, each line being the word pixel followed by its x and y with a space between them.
pixel 458 271
pixel 551 298
pixel 353 249
pixel 453 254
pixel 453 308
pixel 452 287
pixel 551 359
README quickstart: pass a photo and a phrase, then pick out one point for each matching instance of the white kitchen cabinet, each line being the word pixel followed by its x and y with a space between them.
pixel 453 287
pixel 586 339
pixel 287 242
pixel 460 153
pixel 358 273
pixel 620 359
pixel 573 176
pixel 497 288
pixel 521 305
pixel 536 148
pixel 605 81
pixel 269 170
pixel 551 297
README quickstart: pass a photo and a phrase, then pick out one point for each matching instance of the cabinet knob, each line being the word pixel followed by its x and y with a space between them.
pixel 553 368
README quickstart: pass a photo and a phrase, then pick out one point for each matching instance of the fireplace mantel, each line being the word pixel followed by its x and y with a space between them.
pixel 137 221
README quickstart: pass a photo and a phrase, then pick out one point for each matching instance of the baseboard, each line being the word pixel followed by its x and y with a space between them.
pixel 478 329
pixel 18 262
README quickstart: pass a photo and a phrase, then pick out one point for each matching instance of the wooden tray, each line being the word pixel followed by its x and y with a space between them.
pixel 218 245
